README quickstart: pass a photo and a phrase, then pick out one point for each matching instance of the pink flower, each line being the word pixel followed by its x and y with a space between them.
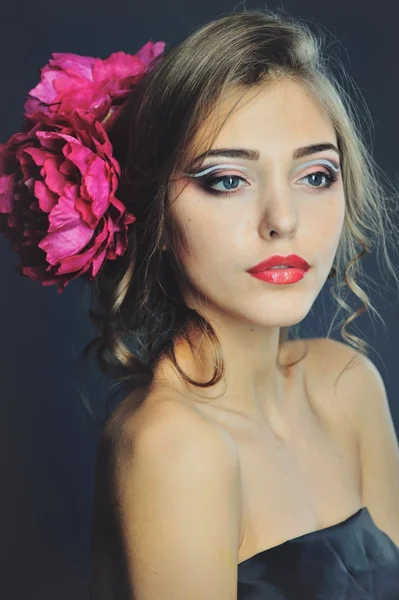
pixel 57 198
pixel 71 81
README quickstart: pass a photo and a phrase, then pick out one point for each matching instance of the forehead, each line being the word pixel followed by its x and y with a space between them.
pixel 279 115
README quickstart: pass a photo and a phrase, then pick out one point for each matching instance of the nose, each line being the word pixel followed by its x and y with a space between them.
pixel 279 213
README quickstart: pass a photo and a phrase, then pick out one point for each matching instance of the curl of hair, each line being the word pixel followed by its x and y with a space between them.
pixel 136 305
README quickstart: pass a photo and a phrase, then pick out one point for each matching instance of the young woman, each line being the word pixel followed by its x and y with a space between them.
pixel 242 464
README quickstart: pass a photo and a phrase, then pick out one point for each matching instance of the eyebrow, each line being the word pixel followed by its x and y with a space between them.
pixel 249 154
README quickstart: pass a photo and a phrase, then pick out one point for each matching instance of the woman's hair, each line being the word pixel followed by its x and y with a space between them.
pixel 136 302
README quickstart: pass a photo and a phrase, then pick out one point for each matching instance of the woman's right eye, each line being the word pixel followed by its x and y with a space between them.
pixel 230 180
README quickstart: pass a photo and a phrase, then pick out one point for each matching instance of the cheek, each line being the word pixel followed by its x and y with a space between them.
pixel 209 242
pixel 327 222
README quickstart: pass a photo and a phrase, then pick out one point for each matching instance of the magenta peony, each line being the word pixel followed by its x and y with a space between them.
pixel 71 81
pixel 57 197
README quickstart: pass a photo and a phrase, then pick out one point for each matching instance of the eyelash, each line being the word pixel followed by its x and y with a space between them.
pixel 206 181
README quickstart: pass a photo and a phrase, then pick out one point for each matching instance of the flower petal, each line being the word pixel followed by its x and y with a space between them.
pixel 68 233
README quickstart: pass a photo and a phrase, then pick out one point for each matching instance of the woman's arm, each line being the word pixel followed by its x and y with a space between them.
pixel 177 492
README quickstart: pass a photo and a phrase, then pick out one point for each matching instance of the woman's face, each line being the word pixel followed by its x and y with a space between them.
pixel 278 204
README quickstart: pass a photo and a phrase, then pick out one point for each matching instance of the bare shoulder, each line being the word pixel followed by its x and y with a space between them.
pixel 336 361
pixel 170 433
pixel 334 372
pixel 358 390
pixel 176 498
pixel 167 421
pixel 332 354
pixel 347 386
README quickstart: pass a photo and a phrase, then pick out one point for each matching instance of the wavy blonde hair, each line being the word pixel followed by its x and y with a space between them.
pixel 136 303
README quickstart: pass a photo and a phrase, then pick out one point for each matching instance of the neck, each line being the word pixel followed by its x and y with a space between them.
pixel 254 382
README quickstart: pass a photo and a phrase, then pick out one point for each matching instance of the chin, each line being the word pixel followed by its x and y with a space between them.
pixel 283 316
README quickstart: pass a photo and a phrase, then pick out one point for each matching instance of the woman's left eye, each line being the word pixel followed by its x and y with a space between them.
pixel 329 177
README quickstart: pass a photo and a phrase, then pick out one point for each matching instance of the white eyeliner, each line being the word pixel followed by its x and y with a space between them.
pixel 209 169
pixel 307 164
pixel 318 161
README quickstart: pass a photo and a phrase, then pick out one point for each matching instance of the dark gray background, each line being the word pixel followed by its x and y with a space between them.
pixel 47 439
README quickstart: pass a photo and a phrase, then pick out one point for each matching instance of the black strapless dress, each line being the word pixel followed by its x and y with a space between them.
pixel 351 560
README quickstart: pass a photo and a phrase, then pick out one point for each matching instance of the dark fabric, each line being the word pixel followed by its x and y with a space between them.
pixel 352 560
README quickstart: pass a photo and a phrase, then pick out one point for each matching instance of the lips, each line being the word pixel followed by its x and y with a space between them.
pixel 292 261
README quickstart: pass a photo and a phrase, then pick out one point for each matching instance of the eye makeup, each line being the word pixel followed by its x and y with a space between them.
pixel 319 161
pixel 212 168
pixel 206 180
pixel 309 163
